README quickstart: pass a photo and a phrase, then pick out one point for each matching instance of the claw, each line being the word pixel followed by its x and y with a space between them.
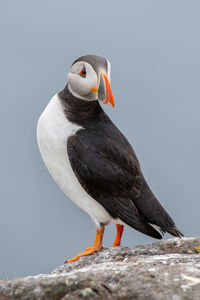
pixel 97 246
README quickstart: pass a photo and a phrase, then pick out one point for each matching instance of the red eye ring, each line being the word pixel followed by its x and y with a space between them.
pixel 83 72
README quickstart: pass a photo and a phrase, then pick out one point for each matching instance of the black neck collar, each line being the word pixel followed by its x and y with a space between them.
pixel 81 112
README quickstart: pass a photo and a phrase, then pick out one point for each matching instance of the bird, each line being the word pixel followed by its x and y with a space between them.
pixel 92 161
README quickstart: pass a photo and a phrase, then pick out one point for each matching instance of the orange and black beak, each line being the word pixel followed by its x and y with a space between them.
pixel 104 90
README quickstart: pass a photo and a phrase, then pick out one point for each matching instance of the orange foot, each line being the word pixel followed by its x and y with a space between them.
pixel 120 229
pixel 97 246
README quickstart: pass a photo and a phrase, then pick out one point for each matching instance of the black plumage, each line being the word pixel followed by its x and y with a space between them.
pixel 107 168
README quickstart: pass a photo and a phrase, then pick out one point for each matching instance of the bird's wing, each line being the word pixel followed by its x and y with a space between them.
pixel 110 173
pixel 153 212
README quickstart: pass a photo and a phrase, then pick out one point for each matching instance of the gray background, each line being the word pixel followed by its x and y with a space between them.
pixel 154 50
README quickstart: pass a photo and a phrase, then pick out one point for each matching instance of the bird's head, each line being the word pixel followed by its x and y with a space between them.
pixel 89 79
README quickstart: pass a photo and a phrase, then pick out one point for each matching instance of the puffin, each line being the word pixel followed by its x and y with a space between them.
pixel 92 161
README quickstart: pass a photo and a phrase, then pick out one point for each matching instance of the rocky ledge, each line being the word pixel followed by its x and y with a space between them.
pixel 163 270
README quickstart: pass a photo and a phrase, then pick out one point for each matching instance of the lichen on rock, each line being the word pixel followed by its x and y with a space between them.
pixel 164 270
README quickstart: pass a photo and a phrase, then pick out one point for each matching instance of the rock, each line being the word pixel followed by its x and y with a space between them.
pixel 163 270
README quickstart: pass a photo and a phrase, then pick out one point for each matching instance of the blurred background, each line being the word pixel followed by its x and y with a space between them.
pixel 154 50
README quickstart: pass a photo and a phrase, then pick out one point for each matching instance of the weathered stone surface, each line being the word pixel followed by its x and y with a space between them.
pixel 163 270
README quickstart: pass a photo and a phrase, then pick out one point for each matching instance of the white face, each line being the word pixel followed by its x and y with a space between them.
pixel 81 79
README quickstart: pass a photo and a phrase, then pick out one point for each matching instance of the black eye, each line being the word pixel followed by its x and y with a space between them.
pixel 83 72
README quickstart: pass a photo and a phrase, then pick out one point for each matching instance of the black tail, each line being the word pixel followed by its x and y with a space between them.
pixel 152 211
pixel 129 214
pixel 174 231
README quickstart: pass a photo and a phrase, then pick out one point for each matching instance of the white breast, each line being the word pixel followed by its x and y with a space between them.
pixel 53 130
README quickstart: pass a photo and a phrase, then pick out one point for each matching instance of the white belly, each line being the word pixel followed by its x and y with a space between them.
pixel 53 130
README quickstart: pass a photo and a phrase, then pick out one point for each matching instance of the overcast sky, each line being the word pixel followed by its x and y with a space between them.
pixel 154 48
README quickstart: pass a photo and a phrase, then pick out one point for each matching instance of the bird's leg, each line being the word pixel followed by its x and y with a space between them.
pixel 97 246
pixel 120 229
